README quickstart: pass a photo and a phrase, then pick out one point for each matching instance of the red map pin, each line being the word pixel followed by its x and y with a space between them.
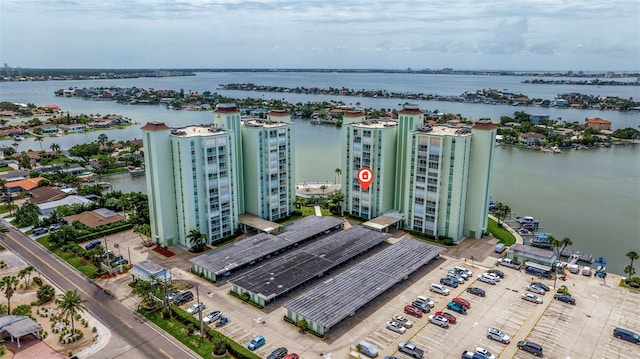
pixel 365 177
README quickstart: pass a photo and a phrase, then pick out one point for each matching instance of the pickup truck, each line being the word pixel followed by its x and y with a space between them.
pixel 411 349
pixel 471 355
pixel 509 263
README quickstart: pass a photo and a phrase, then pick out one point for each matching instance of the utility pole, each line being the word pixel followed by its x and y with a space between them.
pixel 199 312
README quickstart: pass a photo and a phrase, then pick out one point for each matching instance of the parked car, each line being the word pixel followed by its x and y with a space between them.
pixel 565 298
pixel 461 272
pixel 469 272
pixel 279 353
pixel 542 286
pixel 120 261
pixel 40 231
pixel 402 320
pixel 509 263
pixel 457 307
pixel 532 298
pixel 411 349
pixel 292 356
pixel 396 327
pixel 424 307
pixel 499 273
pixel 450 317
pixel 170 294
pixel 439 288
pixel 449 282
pixel 411 310
pixel 367 349
pixel 486 279
pixel 627 335
pixel 54 227
pixel 196 308
pixel 439 320
pixel 462 301
pixel 426 300
pixel 530 347
pixel 586 271
pixel 92 245
pixel 183 297
pixel 476 291
pixel 212 317
pixel 535 289
pixel 485 353
pixel 492 275
pixel 498 335
pixel 457 277
pixel 256 342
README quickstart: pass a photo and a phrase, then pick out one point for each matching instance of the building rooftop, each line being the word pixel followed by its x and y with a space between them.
pixel 251 249
pixel 291 270
pixel 523 249
pixel 445 130
pixel 258 122
pixel 339 297
pixel 377 123
pixel 197 130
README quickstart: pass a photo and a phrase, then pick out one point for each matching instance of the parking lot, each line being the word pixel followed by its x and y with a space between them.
pixel 563 330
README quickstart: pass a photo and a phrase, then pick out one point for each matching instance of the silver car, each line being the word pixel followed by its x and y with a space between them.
pixel 535 289
pixel 498 335
pixel 396 327
pixel 403 320
pixel 532 298
pixel 455 276
pixel 439 320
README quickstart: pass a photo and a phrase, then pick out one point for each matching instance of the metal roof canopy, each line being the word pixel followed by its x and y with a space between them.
pixel 258 223
pixel 384 221
pixel 341 296
pixel 293 269
pixel 18 326
pixel 255 247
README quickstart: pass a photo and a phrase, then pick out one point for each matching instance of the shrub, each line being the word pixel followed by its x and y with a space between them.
pixel 23 309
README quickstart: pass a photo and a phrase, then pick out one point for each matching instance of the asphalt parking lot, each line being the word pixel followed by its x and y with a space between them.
pixel 563 330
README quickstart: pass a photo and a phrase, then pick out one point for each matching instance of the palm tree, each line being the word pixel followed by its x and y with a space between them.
pixel 102 139
pixel 39 140
pixel 338 173
pixel 633 256
pixel 45 293
pixel 144 231
pixel 8 284
pixel 323 188
pixel 70 304
pixel 555 243
pixel 197 240
pixel 502 210
pixel 144 289
pixel 55 148
pixel 630 271
pixel 565 242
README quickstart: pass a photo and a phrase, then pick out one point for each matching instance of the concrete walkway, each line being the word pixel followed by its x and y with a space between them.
pixel 318 212
pixel 515 233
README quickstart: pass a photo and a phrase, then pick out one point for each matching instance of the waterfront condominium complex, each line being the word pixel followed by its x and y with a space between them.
pixel 436 176
pixel 203 177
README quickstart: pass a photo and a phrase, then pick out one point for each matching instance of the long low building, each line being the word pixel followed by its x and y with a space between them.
pixel 339 297
pixel 293 269
pixel 246 252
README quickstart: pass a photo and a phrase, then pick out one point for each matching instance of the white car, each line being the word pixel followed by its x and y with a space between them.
pixel 427 300
pixel 461 273
pixel 439 320
pixel 498 335
pixel 492 275
pixel 486 279
pixel 196 308
pixel 455 276
pixel 535 289
pixel 212 317
pixel 469 272
pixel 532 298
pixel 485 353
pixel 402 320
pixel 396 327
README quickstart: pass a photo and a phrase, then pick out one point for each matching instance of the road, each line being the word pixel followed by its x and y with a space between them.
pixel 130 337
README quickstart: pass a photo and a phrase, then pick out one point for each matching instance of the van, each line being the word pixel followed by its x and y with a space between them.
pixel 439 288
pixel 627 335
pixel 183 297
pixel 586 271
pixel 574 268
pixel 500 247
pixel 367 349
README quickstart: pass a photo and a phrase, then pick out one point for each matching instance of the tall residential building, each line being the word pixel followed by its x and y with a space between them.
pixel 371 144
pixel 203 177
pixel 438 176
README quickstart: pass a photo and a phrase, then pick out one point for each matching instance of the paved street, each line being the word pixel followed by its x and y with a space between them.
pixel 130 337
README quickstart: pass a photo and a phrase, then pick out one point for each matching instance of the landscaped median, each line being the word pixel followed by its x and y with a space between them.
pixel 184 327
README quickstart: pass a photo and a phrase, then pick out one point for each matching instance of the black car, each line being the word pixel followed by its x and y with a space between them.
pixel 183 298
pixel 541 286
pixel 496 272
pixel 565 298
pixel 476 291
pixel 278 353
pixel 530 347
pixel 424 307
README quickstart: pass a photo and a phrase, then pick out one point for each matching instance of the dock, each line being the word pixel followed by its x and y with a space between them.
pixel 575 256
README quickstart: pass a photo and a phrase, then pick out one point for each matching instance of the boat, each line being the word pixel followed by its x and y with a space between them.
pixel 138 171
pixel 528 220
pixel 540 241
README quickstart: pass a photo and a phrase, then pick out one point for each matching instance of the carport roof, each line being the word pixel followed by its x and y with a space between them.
pixel 250 249
pixel 289 271
pixel 341 296
pixel 18 325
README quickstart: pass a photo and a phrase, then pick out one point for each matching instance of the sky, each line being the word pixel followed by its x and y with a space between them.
pixel 519 35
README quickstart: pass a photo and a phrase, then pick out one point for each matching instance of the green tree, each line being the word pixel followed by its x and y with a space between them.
pixel 197 240
pixel 25 274
pixel 8 285
pixel 633 256
pixel 565 242
pixel 55 148
pixel 27 215
pixel 144 231
pixel 70 304
pixel 630 271
pixel 555 243
pixel 45 293
pixel 39 140
pixel 338 172
pixel 144 289
pixel 501 212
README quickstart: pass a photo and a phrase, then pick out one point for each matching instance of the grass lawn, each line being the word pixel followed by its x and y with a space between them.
pixel 177 330
pixel 6 169
pixel 311 211
pixel 502 234
pixel 88 269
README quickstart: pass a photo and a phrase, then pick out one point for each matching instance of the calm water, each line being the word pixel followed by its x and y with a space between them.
pixel 592 197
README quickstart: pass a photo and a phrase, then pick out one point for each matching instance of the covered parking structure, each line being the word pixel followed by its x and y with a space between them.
pixel 339 297
pixel 223 261
pixel 298 267
pixel 383 222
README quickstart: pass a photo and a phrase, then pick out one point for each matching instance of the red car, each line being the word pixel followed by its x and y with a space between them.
pixel 292 356
pixel 414 311
pixel 450 317
pixel 462 301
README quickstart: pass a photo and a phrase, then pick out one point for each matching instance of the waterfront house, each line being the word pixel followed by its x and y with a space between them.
pixel 536 118
pixel 23 185
pixel 559 103
pixel 75 128
pixel 598 124
pixel 531 138
pixel 46 194
pixel 46 208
